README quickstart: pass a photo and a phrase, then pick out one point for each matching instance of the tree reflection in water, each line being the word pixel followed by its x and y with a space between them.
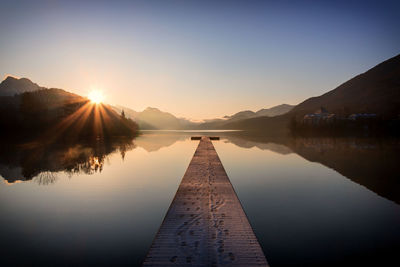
pixel 40 162
pixel 45 178
pixel 370 162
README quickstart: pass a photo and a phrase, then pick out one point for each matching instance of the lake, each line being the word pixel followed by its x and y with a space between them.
pixel 311 202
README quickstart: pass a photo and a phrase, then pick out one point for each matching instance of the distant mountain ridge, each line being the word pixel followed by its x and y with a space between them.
pixel 12 86
pixel 155 119
pixel 50 113
pixel 230 122
pixel 270 112
pixel 375 91
pixel 149 119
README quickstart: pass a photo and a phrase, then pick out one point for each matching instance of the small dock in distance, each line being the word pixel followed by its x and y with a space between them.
pixel 205 224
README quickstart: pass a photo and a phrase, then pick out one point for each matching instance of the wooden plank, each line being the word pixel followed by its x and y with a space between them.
pixel 205 224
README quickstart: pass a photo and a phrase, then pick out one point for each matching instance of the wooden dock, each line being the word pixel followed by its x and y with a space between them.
pixel 205 224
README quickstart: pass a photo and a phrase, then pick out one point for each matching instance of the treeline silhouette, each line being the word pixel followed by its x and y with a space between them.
pixel 57 114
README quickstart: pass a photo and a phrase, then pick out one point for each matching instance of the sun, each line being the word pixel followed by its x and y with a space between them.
pixel 96 96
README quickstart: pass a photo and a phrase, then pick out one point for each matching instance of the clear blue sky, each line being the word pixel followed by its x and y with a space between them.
pixel 197 59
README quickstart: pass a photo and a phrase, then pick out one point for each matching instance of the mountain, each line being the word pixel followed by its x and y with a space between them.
pixel 133 115
pixel 375 91
pixel 57 114
pixel 129 113
pixel 153 118
pixel 270 112
pixel 245 114
pixel 159 119
pixel 235 121
pixel 275 111
pixel 11 86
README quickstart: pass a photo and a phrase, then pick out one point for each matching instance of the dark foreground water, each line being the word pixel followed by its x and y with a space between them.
pixel 311 202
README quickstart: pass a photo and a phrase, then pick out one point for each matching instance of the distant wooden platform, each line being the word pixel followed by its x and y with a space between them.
pixel 199 137
pixel 205 224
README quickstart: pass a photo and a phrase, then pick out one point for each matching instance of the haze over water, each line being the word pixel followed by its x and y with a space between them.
pixel 303 210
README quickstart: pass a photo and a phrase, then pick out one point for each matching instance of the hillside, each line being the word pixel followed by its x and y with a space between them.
pixel 158 119
pixel 54 113
pixel 375 91
pixel 275 111
pixel 12 86
pixel 153 119
pixel 270 112
pixel 245 114
pixel 234 121
pixel 133 115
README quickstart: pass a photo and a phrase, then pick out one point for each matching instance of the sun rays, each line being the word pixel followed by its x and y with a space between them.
pixel 90 119
pixel 96 96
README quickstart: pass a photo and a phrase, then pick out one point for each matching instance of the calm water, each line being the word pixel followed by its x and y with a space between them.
pixel 311 202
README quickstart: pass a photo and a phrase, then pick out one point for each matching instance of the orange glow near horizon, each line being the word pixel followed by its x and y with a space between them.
pixel 80 117
pixel 96 96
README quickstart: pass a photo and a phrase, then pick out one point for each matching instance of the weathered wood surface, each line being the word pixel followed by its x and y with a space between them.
pixel 205 224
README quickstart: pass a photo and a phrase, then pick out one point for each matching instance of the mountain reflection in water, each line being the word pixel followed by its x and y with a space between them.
pixel 303 213
pixel 368 162
pixel 372 163
pixel 40 162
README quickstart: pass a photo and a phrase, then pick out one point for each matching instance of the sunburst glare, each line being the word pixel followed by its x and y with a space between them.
pixel 96 96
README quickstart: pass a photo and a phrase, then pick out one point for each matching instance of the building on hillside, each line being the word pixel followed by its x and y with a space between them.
pixel 321 115
pixel 358 116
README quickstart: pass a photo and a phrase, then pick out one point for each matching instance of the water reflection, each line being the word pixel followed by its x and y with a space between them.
pixel 40 161
pixel 303 213
pixel 372 163
pixel 153 141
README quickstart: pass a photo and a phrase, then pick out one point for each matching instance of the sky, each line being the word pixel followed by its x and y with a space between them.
pixel 196 59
